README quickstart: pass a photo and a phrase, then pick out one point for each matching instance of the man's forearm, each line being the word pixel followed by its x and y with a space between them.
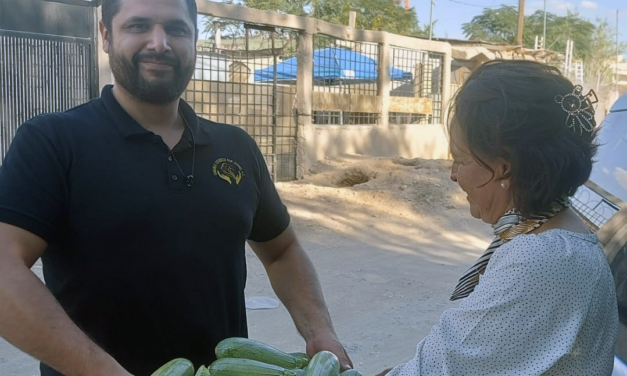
pixel 33 321
pixel 295 282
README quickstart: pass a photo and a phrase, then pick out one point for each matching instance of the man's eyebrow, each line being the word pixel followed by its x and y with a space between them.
pixel 177 22
pixel 172 22
pixel 138 19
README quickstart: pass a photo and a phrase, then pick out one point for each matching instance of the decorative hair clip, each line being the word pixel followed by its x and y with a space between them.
pixel 579 109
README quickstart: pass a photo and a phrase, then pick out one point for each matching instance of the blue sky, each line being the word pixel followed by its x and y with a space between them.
pixel 451 14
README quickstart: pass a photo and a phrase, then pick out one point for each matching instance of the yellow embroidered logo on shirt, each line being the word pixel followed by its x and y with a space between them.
pixel 228 170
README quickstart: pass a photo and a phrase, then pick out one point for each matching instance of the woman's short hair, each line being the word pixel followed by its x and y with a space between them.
pixel 507 109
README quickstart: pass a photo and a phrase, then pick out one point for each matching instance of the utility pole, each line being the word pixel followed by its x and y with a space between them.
pixel 352 19
pixel 617 53
pixel 217 26
pixel 352 22
pixel 431 20
pixel 521 22
pixel 544 30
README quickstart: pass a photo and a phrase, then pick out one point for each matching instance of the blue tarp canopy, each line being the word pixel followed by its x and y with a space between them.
pixel 332 65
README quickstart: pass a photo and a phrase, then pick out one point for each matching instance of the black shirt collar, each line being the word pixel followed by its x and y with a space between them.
pixel 127 126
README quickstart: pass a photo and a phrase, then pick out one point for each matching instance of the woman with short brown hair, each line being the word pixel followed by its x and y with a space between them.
pixel 541 299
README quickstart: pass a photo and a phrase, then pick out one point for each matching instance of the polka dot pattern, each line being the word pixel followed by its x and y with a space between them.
pixel 546 305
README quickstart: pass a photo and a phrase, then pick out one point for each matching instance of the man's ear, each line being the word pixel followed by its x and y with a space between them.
pixel 106 36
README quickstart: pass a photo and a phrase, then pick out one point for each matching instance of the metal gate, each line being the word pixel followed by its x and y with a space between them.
pixel 237 81
pixel 41 72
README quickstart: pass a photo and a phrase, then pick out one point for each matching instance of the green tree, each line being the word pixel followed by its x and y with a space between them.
pixel 500 25
pixel 570 27
pixel 593 44
pixel 296 7
pixel 598 62
pixel 383 15
pixel 228 29
pixel 493 25
pixel 335 11
pixel 534 25
pixel 234 30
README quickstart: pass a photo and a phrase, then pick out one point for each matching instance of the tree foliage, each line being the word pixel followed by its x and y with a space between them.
pixel 384 15
pixel 599 63
pixel 493 25
pixel 594 44
pixel 500 25
pixel 296 7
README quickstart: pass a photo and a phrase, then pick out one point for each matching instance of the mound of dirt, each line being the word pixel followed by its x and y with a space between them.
pixel 414 186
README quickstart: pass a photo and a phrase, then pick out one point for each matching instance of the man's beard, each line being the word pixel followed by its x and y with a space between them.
pixel 128 75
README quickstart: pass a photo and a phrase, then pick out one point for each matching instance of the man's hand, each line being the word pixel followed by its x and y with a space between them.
pixel 329 342
pixel 296 283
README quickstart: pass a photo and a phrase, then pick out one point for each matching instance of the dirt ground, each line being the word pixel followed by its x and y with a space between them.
pixel 388 237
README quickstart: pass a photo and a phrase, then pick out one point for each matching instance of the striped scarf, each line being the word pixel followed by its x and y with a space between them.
pixel 505 229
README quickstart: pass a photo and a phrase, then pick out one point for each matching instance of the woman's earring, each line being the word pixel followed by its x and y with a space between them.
pixel 504 184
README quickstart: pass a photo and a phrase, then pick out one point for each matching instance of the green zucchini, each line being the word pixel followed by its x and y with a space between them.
pixel 176 367
pixel 298 371
pixel 248 349
pixel 202 371
pixel 351 372
pixel 246 367
pixel 324 363
pixel 305 358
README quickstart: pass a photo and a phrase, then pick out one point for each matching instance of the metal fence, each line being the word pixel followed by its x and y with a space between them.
pixel 342 118
pixel 595 205
pixel 245 78
pixel 435 62
pixel 246 75
pixel 344 70
pixel 345 67
pixel 40 73
pixel 417 74
pixel 340 76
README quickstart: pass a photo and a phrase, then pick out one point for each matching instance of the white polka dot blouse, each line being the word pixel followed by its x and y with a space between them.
pixel 546 305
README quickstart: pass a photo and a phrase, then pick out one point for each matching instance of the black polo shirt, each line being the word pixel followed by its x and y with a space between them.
pixel 149 268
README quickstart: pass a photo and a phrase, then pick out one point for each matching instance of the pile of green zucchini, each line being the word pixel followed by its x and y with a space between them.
pixel 245 357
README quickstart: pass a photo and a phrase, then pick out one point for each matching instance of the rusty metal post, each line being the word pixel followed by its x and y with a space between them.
pixel 304 99
pixel 384 84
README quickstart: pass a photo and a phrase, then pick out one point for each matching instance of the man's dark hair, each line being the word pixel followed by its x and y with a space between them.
pixel 507 109
pixel 111 7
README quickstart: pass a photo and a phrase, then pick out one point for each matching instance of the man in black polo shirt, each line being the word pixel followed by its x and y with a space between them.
pixel 140 211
